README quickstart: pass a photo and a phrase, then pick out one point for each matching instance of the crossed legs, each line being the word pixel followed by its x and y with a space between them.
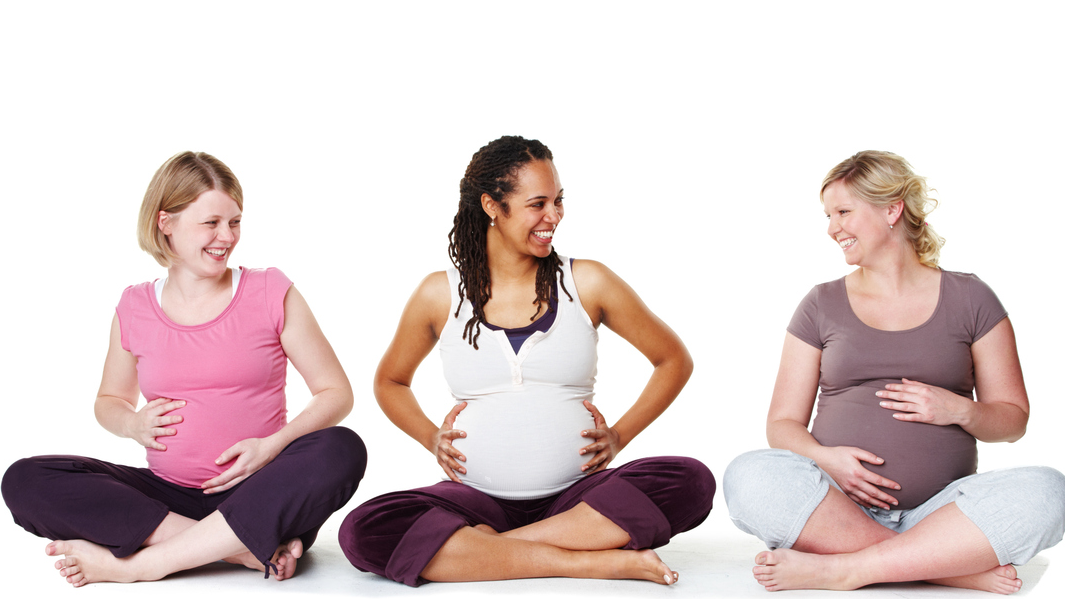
pixel 601 527
pixel 178 544
pixel 578 543
pixel 121 524
pixel 967 535
pixel 841 548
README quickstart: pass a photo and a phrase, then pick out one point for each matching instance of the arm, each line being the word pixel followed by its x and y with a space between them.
pixel 1001 410
pixel 419 329
pixel 789 415
pixel 116 401
pixel 331 395
pixel 610 301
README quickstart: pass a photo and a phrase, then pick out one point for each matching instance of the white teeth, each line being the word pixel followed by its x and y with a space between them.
pixel 544 234
pixel 216 252
pixel 846 243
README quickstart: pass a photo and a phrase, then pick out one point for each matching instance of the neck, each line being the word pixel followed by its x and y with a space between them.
pixel 897 272
pixel 190 287
pixel 507 266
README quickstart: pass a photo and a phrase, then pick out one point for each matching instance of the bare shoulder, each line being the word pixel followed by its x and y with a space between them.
pixel 593 278
pixel 431 301
pixel 603 292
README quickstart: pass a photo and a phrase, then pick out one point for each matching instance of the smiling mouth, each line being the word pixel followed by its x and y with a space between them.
pixel 544 235
pixel 846 243
pixel 219 253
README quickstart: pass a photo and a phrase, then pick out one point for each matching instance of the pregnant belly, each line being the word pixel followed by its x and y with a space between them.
pixel 520 447
pixel 208 429
pixel 922 458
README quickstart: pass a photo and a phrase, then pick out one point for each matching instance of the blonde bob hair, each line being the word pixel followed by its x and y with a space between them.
pixel 883 178
pixel 175 185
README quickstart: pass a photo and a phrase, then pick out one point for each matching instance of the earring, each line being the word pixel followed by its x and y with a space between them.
pixel 891 226
pixel 493 222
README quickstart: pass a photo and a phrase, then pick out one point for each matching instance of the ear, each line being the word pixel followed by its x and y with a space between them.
pixel 894 212
pixel 164 222
pixel 490 206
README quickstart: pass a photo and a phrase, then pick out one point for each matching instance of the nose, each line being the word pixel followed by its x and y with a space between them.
pixel 833 227
pixel 226 234
pixel 554 215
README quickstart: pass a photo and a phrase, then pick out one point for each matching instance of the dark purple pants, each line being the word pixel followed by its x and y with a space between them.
pixel 652 499
pixel 118 507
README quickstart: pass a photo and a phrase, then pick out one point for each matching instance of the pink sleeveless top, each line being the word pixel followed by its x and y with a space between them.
pixel 230 371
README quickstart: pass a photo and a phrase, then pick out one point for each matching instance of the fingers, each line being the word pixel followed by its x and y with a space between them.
pixel 869 495
pixel 449 462
pixel 228 454
pixel 223 481
pixel 225 487
pixel 449 420
pixel 163 405
pixel 448 457
pixel 451 474
pixel 596 415
pixel 871 490
pixel 595 464
pixel 866 456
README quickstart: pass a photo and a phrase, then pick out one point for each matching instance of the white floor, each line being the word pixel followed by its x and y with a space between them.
pixel 713 560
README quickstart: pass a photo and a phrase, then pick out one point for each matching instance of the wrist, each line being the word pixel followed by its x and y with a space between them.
pixel 966 413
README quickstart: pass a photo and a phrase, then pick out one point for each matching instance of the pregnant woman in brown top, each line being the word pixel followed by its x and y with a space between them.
pixel 883 487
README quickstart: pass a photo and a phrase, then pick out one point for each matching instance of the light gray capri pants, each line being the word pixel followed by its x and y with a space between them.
pixel 771 493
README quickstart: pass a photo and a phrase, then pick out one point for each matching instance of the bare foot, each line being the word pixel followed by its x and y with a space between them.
pixel 285 558
pixel 1000 579
pixel 784 569
pixel 246 559
pixel 84 562
pixel 640 565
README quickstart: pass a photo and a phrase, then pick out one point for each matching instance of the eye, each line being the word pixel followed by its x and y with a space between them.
pixel 235 223
pixel 558 202
pixel 211 222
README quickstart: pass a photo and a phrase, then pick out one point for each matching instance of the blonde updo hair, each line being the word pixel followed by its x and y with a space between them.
pixel 883 178
pixel 175 185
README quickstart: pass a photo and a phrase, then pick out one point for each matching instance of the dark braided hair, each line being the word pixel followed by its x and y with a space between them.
pixel 493 170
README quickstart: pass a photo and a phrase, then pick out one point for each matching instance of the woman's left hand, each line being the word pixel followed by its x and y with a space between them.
pixel 606 442
pixel 248 456
pixel 917 402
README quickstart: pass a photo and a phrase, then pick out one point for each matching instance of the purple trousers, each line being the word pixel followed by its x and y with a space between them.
pixel 118 507
pixel 652 499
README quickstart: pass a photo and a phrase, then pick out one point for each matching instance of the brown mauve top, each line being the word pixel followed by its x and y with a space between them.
pixel 858 360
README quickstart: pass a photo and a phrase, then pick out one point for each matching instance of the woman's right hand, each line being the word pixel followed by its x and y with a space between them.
pixel 844 465
pixel 446 455
pixel 150 422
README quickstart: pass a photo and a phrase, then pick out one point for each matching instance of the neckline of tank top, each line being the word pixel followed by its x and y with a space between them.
pixel 157 305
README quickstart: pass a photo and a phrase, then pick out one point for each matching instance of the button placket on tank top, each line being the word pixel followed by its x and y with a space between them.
pixel 516 360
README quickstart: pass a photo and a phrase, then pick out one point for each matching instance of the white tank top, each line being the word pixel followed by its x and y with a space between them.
pixel 525 411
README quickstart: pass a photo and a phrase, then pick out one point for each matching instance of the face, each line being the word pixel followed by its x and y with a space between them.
pixel 857 226
pixel 535 209
pixel 204 234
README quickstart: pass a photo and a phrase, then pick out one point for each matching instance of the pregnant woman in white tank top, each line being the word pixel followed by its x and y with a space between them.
pixel 517 331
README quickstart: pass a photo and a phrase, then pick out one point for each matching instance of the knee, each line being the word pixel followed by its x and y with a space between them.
pixel 698 479
pixel 756 479
pixel 1040 494
pixel 21 483
pixel 352 529
pixel 369 533
pixel 343 451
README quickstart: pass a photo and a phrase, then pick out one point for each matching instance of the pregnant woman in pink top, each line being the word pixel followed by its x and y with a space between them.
pixel 883 488
pixel 208 347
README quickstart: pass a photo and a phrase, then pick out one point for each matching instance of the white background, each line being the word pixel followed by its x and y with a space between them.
pixel 691 139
